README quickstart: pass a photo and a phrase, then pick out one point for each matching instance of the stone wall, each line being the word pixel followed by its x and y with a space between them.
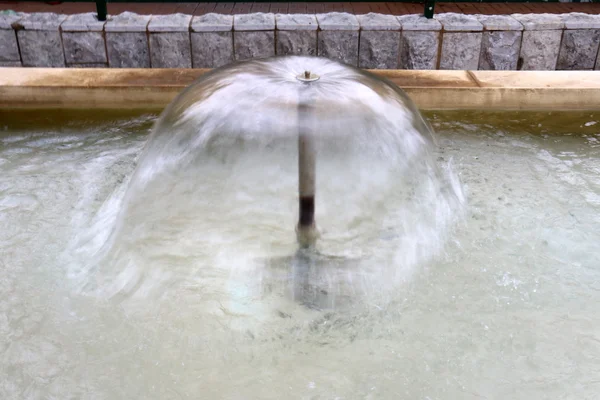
pixel 449 41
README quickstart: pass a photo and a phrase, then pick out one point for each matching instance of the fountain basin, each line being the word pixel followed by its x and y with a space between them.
pixel 511 299
pixel 505 309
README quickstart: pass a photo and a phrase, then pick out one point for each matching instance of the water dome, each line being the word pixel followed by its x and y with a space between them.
pixel 220 190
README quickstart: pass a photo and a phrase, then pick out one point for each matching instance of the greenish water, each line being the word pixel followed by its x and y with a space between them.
pixel 508 308
pixel 531 122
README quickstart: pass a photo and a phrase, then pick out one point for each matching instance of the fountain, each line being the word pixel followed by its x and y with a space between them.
pixel 157 258
pixel 217 176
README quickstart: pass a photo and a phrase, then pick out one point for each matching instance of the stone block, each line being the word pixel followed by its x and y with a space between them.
pixel 460 50
pixel 539 22
pixel 417 22
pixel 339 45
pixel 581 21
pixel 338 21
pixel 454 22
pixel 9 49
pixel 170 50
pixel 39 40
pixel 127 41
pixel 84 47
pixel 579 49
pixel 212 22
pixel 170 23
pixel 11 64
pixel 500 50
pixel 296 43
pixel 379 41
pixel 499 23
pixel 419 43
pixel 127 22
pixel 169 39
pixel 379 49
pixel 90 65
pixel 8 18
pixel 127 50
pixel 254 44
pixel 378 22
pixel 419 49
pixel 212 40
pixel 501 42
pixel 87 22
pixel 296 34
pixel 41 21
pixel 539 50
pixel 296 22
pixel 541 41
pixel 461 41
pixel 254 22
pixel 211 49
pixel 41 49
pixel 338 39
pixel 83 39
pixel 254 36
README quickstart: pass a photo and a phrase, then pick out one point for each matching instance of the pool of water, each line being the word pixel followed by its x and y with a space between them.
pixel 508 308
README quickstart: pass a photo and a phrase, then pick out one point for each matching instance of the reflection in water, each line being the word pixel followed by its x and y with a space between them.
pixel 313 279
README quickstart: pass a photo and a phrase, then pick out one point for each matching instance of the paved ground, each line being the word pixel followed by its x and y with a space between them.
pixel 300 7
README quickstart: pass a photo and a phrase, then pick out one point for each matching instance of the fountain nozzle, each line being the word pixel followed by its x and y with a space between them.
pixel 308 76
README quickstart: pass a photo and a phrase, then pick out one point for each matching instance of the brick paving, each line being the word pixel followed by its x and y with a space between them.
pixel 393 8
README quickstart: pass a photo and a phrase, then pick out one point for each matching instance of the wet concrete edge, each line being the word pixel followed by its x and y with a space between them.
pixel 432 89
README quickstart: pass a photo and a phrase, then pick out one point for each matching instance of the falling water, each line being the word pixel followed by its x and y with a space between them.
pixel 215 191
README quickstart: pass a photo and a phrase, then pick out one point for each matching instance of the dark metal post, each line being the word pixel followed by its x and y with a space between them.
pixel 429 8
pixel 101 9
pixel 306 173
pixel 306 230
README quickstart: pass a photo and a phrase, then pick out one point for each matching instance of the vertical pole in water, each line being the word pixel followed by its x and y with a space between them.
pixel 306 231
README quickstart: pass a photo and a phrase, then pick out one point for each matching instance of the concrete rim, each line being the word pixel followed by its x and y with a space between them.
pixel 54 88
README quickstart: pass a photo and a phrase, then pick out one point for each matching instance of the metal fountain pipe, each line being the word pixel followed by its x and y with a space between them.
pixel 306 231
